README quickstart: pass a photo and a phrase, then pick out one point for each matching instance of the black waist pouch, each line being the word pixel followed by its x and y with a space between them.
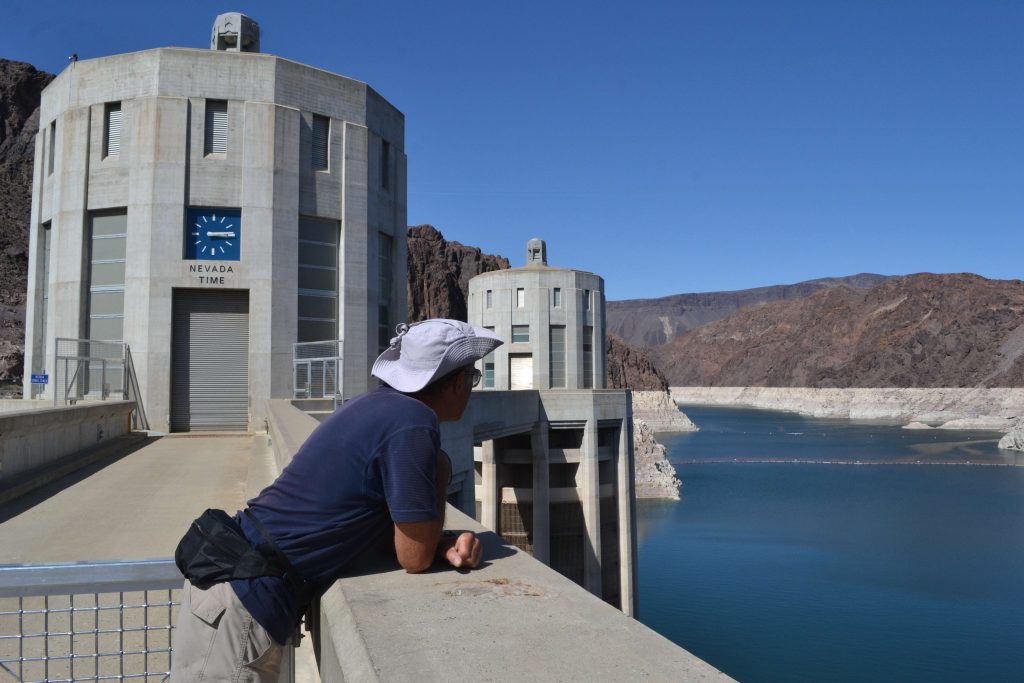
pixel 214 549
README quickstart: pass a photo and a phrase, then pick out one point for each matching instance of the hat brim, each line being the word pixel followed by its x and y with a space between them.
pixel 405 377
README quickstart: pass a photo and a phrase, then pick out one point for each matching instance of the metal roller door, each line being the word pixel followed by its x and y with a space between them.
pixel 520 371
pixel 210 360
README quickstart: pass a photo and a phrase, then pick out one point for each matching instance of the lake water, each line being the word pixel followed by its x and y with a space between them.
pixel 777 567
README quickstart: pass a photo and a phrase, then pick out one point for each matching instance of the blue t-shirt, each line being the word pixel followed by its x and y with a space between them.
pixel 370 464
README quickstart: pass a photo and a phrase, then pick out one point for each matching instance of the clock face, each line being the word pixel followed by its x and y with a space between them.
pixel 213 234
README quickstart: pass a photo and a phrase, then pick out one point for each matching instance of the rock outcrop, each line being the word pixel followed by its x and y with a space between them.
pixel 1014 441
pixel 916 331
pixel 660 413
pixel 439 274
pixel 20 88
pixel 631 368
pixel 959 408
pixel 655 476
pixel 653 322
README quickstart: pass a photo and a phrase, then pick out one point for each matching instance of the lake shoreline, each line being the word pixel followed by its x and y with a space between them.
pixel 998 409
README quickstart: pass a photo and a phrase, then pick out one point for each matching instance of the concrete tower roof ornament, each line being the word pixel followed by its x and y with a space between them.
pixel 235 32
pixel 536 252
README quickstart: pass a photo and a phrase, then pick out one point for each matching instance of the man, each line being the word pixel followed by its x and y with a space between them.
pixel 374 468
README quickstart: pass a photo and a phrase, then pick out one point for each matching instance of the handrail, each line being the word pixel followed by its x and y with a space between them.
pixel 88 577
pixel 141 421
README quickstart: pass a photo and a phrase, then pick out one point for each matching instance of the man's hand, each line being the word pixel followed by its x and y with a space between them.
pixel 466 551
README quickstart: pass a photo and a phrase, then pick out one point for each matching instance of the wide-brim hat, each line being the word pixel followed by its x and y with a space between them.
pixel 428 350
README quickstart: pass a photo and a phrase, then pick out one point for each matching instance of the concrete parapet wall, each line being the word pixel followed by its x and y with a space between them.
pixel 512 619
pixel 288 428
pixel 33 440
pixel 10 405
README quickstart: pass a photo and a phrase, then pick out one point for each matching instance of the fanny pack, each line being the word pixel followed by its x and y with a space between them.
pixel 215 549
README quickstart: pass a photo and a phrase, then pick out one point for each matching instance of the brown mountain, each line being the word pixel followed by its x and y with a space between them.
pixel 631 368
pixel 653 322
pixel 439 274
pixel 20 88
pixel 915 331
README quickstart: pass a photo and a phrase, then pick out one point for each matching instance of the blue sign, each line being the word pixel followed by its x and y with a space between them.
pixel 40 379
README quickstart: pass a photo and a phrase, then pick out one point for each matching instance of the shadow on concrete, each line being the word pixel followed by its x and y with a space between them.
pixel 39 487
pixel 382 559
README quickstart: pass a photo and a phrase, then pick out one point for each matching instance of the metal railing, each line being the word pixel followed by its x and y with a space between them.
pixel 89 369
pixel 88 621
pixel 317 369
pixel 92 621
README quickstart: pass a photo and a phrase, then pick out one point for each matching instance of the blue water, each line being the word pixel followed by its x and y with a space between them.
pixel 786 569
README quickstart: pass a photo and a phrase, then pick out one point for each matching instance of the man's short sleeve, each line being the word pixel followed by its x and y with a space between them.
pixel 408 465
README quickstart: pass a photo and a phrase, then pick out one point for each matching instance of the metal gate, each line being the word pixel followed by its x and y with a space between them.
pixel 210 360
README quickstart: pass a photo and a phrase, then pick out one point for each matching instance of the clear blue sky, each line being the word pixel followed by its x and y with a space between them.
pixel 667 146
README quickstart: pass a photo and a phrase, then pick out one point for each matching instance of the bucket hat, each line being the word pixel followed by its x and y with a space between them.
pixel 428 350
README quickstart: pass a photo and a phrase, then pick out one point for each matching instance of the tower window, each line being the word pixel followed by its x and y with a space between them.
pixel 112 130
pixel 520 334
pixel 53 146
pixel 321 142
pixel 385 164
pixel 520 297
pixel 215 138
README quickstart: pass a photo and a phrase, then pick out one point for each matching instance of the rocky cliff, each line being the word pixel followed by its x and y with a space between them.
pixel 631 368
pixel 654 475
pixel 657 409
pixel 653 322
pixel 915 331
pixel 440 271
pixel 20 88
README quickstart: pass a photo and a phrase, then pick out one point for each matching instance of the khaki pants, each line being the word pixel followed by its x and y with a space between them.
pixel 216 639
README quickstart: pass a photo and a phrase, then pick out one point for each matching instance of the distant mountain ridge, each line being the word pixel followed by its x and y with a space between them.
pixel 921 330
pixel 653 322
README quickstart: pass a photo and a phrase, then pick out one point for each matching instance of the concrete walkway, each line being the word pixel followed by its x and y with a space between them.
pixel 136 506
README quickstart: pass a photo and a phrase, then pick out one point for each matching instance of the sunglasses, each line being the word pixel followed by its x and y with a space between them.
pixel 474 376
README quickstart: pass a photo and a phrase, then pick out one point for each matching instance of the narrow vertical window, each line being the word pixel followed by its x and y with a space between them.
pixel 586 299
pixel 557 356
pixel 107 235
pixel 556 297
pixel 39 356
pixel 112 129
pixel 489 367
pixel 520 297
pixel 385 164
pixel 215 136
pixel 489 299
pixel 385 278
pixel 588 357
pixel 51 150
pixel 321 142
pixel 318 280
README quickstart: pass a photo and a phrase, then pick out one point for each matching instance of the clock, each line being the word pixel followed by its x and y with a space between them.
pixel 213 234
